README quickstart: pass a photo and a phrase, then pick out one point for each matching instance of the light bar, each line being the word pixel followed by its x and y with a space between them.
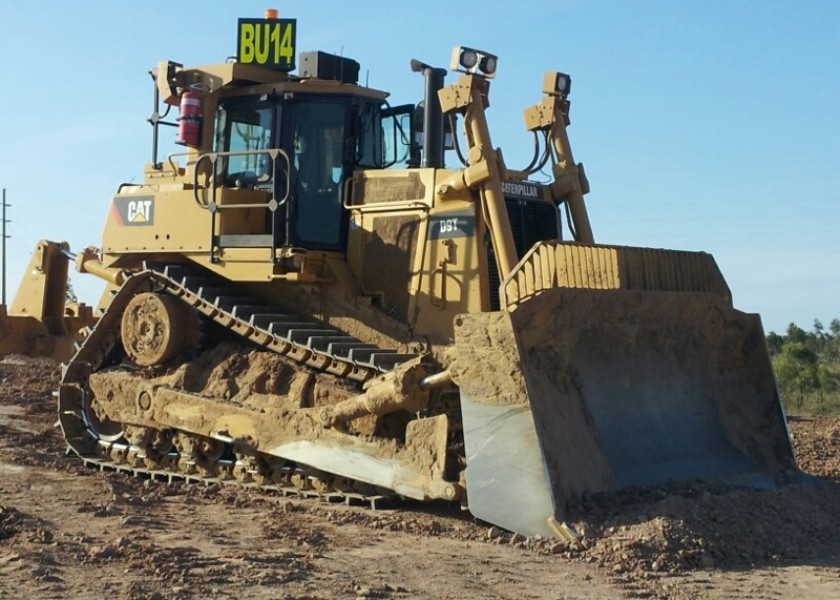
pixel 557 84
pixel 469 60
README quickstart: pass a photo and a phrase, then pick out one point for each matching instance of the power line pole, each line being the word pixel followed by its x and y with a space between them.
pixel 5 237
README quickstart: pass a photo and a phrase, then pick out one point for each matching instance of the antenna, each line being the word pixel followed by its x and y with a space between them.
pixel 5 237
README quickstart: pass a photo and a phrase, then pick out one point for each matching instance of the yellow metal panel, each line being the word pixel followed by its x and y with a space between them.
pixel 529 277
pixel 568 265
pixel 147 218
pixel 545 262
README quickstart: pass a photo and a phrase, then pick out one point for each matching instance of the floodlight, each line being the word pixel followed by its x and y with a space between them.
pixel 469 60
pixel 488 65
pixel 557 84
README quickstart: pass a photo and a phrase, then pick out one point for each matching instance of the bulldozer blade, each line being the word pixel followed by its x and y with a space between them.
pixel 585 391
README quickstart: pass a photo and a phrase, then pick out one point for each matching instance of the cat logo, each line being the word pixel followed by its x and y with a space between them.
pixel 134 211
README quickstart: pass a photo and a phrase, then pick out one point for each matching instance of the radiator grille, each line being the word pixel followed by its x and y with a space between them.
pixel 530 222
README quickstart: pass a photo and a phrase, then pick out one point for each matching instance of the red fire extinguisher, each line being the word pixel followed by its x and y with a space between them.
pixel 189 123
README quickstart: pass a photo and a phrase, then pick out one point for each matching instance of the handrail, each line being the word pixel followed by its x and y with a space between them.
pixel 176 166
pixel 213 206
pixel 273 153
pixel 348 204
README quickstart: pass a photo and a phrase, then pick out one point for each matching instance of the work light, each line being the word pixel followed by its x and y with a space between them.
pixel 469 60
pixel 557 84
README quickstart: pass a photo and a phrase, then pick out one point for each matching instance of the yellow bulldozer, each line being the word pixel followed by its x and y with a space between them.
pixel 43 319
pixel 307 299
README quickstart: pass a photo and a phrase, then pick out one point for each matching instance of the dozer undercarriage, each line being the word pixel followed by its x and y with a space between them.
pixel 315 304
pixel 285 401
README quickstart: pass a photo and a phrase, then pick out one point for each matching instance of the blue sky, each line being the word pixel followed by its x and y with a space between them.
pixel 710 125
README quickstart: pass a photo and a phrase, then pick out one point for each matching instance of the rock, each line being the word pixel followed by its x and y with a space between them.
pixel 658 565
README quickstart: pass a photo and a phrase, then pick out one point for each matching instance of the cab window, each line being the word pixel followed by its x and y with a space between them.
pixel 245 127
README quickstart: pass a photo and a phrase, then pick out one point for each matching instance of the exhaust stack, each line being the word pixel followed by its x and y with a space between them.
pixel 432 114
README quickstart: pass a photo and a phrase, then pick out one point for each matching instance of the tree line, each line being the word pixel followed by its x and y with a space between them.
pixel 807 367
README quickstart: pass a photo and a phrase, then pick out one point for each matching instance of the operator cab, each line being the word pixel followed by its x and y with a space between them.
pixel 311 131
pixel 325 137
pixel 252 126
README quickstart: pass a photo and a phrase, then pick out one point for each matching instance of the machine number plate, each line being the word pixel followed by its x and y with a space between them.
pixel 449 225
pixel 267 42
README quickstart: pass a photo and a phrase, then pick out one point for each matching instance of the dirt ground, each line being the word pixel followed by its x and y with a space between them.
pixel 67 532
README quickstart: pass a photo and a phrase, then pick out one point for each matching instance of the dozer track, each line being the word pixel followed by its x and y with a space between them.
pixel 310 343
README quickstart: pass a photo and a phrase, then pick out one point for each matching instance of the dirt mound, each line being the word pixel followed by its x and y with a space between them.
pixel 817 443
pixel 671 530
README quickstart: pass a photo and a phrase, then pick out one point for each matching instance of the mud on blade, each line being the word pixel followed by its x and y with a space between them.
pixel 581 391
